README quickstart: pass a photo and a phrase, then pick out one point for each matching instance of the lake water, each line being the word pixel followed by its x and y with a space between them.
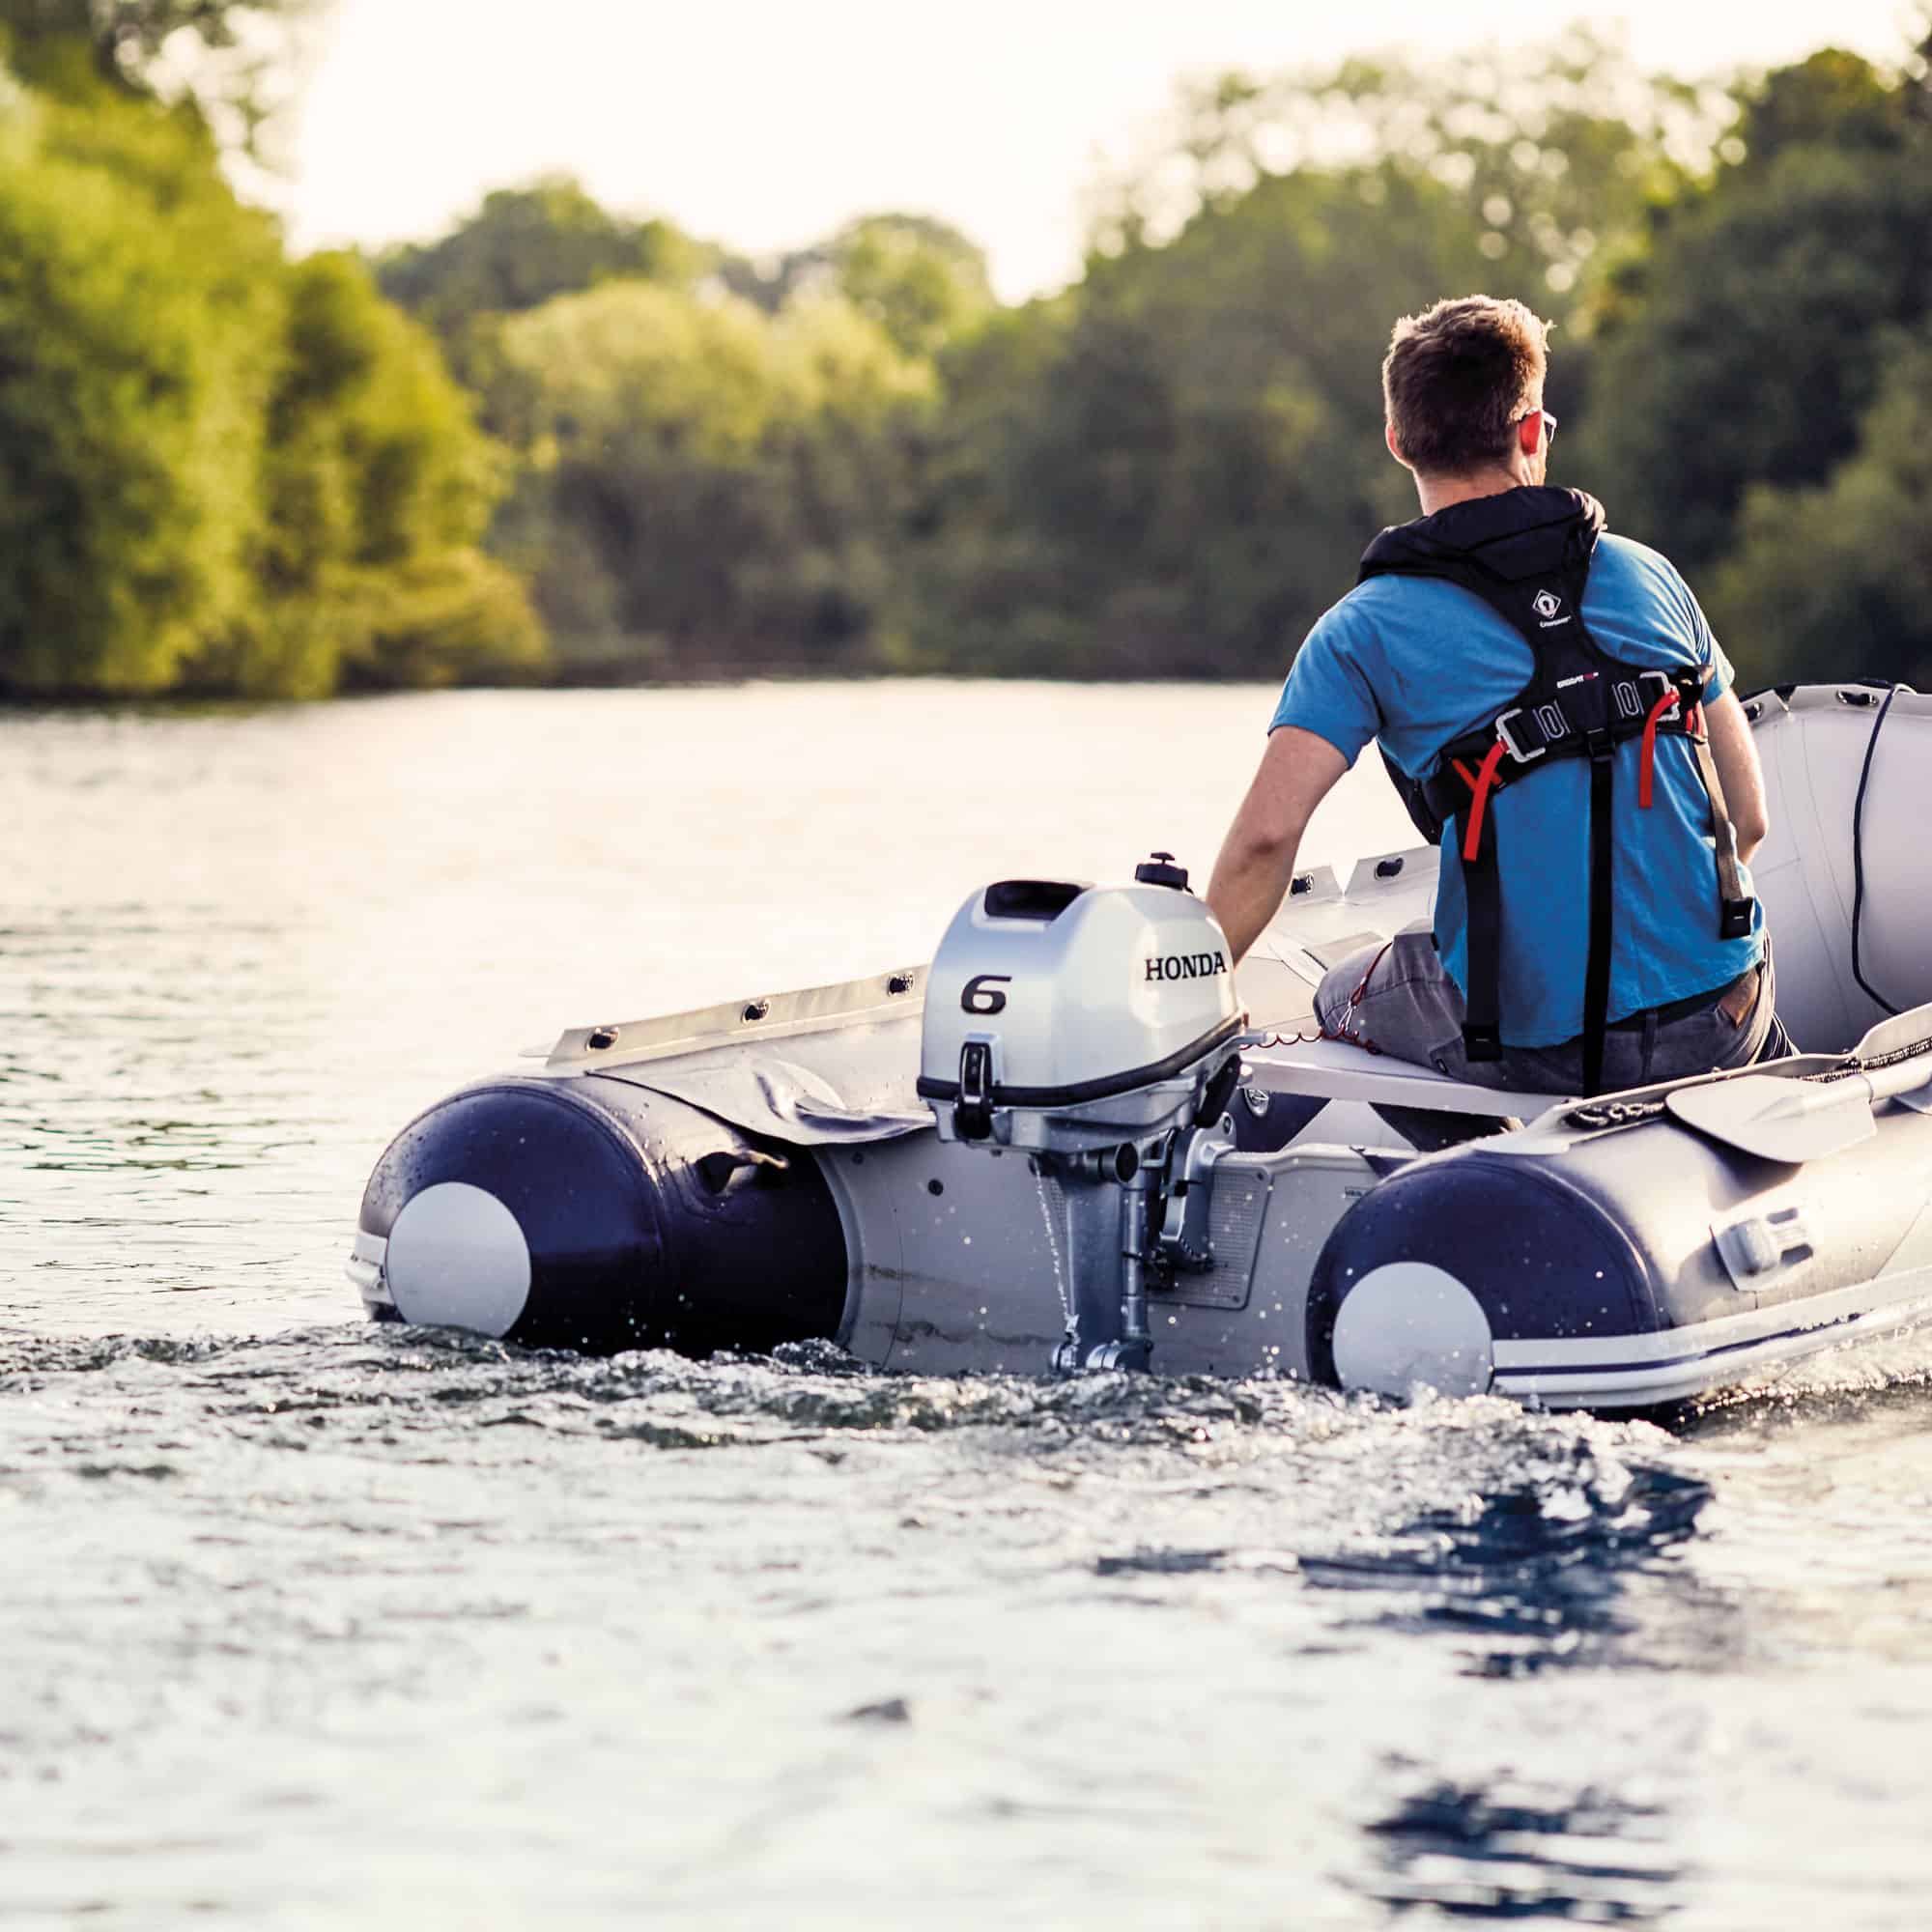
pixel 306 1623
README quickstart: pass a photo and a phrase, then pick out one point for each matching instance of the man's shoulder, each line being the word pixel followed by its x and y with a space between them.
pixel 1369 627
pixel 1350 620
pixel 1639 602
pixel 1637 563
pixel 1378 598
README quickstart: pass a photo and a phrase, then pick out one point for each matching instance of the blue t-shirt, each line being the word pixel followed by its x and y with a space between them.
pixel 1416 662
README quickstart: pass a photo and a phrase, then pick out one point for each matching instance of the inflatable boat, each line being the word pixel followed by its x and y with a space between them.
pixel 1074 1141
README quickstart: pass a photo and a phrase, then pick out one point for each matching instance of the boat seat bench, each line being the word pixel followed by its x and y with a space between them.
pixel 1334 1070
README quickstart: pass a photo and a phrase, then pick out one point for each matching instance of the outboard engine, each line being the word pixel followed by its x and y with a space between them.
pixel 1094 1029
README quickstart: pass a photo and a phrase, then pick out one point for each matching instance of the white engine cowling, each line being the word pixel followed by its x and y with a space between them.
pixel 1062 1016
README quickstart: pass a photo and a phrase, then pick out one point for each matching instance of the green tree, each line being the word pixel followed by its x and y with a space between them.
pixel 521 247
pixel 1171 471
pixel 377 489
pixel 923 281
pixel 1556 151
pixel 706 485
pixel 138 320
pixel 1835 581
pixel 1172 468
pixel 1830 100
pixel 524 245
pixel 1746 348
pixel 221 57
pixel 217 471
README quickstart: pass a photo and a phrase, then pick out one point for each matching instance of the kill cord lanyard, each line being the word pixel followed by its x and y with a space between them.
pixel 1345 1034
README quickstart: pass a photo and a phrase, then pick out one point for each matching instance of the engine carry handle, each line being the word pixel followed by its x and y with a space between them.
pixel 973 1111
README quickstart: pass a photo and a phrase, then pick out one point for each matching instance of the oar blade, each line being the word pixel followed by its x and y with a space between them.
pixel 1778 1119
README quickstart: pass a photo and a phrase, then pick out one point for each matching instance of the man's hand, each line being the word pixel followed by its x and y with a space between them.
pixel 1297 772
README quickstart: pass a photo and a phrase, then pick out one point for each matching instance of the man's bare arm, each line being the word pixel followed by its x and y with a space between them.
pixel 1734 753
pixel 1297 772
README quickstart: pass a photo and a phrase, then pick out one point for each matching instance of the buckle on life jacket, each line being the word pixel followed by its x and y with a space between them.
pixel 1514 750
pixel 1668 703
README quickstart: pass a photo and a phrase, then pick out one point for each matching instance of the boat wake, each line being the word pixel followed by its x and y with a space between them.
pixel 429 1555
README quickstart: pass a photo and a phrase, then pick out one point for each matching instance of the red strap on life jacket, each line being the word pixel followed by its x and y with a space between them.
pixel 1647 757
pixel 1481 784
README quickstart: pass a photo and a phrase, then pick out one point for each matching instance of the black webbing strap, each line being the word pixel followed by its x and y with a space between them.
pixel 1596 970
pixel 1734 906
pixel 1483 889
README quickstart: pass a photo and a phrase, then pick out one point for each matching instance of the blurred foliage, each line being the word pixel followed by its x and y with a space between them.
pixel 918 278
pixel 138 316
pixel 524 245
pixel 220 57
pixel 222 470
pixel 704 482
pixel 1745 345
pixel 376 489
pixel 1552 153
pixel 521 247
pixel 1172 469
pixel 1836 578
pixel 1154 476
pixel 218 470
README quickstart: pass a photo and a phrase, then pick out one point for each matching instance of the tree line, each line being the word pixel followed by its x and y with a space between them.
pixel 561 443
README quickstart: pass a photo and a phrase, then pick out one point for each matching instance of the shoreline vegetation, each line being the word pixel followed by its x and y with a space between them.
pixel 719 678
pixel 561 444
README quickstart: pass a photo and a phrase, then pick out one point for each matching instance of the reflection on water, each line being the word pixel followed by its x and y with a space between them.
pixel 307 1623
pixel 1538 1574
pixel 1587 1857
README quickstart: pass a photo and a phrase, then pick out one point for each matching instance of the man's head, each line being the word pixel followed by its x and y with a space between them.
pixel 1462 387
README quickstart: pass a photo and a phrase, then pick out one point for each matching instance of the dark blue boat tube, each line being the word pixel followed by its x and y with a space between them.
pixel 589 1215
pixel 1618 1270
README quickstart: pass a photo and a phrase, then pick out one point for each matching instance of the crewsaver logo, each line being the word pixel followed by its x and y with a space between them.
pixel 1186 965
pixel 1545 604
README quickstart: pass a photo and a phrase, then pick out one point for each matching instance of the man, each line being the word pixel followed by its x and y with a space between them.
pixel 1551 699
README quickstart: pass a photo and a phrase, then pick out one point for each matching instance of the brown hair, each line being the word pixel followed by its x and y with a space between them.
pixel 1457 377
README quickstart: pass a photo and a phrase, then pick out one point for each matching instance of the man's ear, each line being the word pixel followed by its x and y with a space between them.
pixel 1529 432
pixel 1395 448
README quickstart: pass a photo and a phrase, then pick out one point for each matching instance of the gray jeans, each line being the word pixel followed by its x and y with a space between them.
pixel 1399 999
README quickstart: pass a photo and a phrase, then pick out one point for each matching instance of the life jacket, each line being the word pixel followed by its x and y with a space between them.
pixel 1527 554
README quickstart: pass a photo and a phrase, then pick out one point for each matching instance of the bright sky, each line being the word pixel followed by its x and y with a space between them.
pixel 765 124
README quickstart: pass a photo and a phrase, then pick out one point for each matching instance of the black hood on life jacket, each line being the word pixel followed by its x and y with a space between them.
pixel 1516 535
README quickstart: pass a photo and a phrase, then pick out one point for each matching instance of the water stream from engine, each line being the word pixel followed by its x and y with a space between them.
pixel 311 1624
pixel 1052 1206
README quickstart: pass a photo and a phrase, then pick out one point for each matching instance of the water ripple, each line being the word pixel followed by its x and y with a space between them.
pixel 1518 1854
